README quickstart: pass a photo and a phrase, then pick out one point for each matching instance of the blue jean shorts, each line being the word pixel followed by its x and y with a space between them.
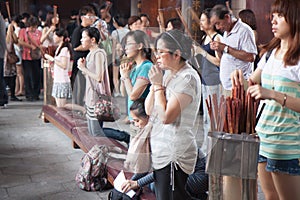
pixel 290 167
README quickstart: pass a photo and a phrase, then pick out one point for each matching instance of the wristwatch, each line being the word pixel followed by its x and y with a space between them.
pixel 226 49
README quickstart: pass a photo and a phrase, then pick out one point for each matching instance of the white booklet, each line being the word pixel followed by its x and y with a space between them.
pixel 119 180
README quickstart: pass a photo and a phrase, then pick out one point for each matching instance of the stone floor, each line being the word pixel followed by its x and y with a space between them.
pixel 37 160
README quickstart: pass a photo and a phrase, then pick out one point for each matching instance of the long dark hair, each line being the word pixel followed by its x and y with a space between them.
pixel 60 32
pixel 289 9
pixel 93 32
pixel 206 12
pixel 247 16
pixel 176 23
pixel 138 107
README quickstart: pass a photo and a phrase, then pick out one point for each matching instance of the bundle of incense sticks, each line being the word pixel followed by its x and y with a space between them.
pixel 236 114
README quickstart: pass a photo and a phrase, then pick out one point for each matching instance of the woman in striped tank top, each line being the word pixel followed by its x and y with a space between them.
pixel 277 83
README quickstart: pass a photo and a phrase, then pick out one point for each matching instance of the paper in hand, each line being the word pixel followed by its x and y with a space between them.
pixel 119 180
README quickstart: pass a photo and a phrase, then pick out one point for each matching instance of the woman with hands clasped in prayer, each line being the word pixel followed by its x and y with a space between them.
pixel 277 82
pixel 94 67
pixel 173 104
pixel 134 77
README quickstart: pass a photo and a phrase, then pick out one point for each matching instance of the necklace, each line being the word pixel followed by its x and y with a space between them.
pixel 276 64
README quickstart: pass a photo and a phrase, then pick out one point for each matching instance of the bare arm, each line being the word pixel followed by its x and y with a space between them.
pixel 149 101
pixel 25 44
pixel 46 32
pixel 62 63
pixel 210 58
pixel 81 48
pixel 11 34
pixel 290 102
pixel 136 91
pixel 239 54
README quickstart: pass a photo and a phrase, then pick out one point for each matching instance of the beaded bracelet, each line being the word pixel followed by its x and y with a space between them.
pixel 124 78
pixel 158 89
pixel 284 100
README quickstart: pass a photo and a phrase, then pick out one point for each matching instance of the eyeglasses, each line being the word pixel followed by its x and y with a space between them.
pixel 160 52
pixel 130 43
pixel 90 17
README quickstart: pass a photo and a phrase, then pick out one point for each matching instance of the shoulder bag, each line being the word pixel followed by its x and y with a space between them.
pixel 36 53
pixel 11 56
pixel 106 108
pixel 138 158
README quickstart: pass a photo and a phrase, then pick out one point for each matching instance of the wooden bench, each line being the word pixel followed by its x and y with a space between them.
pixel 74 125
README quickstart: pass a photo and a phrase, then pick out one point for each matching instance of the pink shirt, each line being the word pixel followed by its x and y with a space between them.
pixel 34 36
pixel 60 75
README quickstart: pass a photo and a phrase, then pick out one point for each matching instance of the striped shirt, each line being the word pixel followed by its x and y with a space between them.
pixel 279 127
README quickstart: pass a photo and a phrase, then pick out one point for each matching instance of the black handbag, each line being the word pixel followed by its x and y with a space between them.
pixel 35 54
pixel 116 195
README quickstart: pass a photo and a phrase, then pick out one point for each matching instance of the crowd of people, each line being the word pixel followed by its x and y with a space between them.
pixel 98 53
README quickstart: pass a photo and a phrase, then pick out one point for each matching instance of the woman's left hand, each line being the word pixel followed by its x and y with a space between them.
pixel 48 57
pixel 155 75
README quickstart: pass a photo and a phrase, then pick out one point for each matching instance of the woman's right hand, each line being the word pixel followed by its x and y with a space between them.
pixel 129 185
pixel 155 75
pixel 237 78
pixel 81 63
pixel 125 69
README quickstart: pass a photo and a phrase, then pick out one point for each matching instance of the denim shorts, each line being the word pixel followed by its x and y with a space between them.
pixel 290 167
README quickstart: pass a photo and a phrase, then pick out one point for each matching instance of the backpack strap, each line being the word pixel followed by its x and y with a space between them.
pixel 268 54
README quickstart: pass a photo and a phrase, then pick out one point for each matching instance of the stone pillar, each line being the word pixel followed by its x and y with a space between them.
pixel 237 6
pixel 133 7
pixel 185 5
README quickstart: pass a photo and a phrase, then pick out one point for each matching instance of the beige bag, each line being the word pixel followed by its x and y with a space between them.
pixel 138 158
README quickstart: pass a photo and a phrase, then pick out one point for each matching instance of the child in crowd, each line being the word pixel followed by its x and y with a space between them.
pixel 61 89
pixel 196 185
pixel 139 118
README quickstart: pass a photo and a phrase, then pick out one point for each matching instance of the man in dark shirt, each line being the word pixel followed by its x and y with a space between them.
pixel 73 23
pixel 88 17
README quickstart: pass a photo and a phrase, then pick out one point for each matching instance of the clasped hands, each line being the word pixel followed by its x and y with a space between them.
pixel 81 64
pixel 155 75
pixel 125 69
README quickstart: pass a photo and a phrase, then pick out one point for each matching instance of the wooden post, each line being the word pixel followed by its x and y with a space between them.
pixel 8 10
